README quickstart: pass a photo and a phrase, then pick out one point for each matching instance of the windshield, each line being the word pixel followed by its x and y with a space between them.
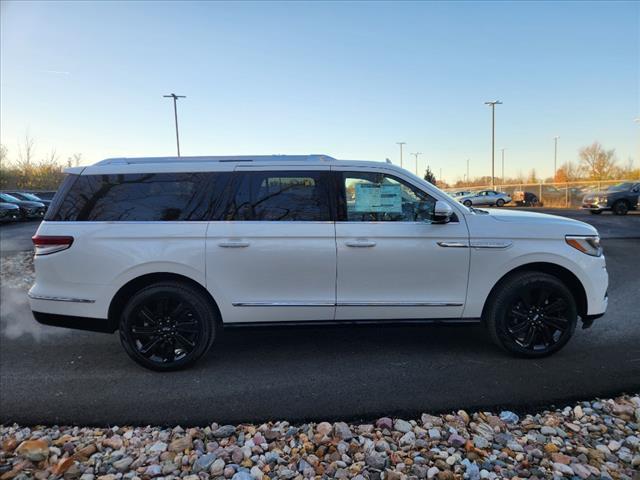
pixel 8 198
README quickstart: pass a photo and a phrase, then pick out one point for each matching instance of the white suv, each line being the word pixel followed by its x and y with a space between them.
pixel 169 250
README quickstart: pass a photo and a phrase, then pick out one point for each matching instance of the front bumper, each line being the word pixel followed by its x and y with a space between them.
pixel 593 206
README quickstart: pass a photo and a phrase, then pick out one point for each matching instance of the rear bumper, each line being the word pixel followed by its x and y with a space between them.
pixel 101 325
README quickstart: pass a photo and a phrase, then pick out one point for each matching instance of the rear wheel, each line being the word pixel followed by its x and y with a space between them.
pixel 620 207
pixel 532 314
pixel 167 326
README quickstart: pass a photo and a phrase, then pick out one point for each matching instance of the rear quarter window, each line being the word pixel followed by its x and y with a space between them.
pixel 143 197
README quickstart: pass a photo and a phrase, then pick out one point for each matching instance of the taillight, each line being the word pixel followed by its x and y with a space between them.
pixel 46 244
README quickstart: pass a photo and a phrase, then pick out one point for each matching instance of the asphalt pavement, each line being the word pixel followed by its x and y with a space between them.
pixel 50 375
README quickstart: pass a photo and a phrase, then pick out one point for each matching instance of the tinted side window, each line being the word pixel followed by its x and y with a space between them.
pixel 377 197
pixel 281 196
pixel 143 197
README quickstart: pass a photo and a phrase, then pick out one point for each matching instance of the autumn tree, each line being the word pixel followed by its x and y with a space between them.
pixel 568 172
pixel 598 163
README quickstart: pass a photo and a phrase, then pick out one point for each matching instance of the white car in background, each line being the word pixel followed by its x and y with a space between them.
pixel 484 198
pixel 168 251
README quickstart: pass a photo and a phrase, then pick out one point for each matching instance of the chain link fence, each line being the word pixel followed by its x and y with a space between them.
pixel 558 195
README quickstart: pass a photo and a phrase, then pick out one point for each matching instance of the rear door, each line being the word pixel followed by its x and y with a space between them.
pixel 272 256
pixel 393 262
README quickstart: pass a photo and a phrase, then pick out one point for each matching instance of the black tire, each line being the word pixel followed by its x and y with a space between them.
pixel 620 207
pixel 595 212
pixel 174 322
pixel 531 314
pixel 467 203
pixel 500 203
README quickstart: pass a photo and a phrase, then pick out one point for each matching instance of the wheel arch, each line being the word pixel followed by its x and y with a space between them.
pixel 562 273
pixel 119 300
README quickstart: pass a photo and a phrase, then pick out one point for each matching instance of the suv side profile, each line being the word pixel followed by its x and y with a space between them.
pixel 619 198
pixel 168 251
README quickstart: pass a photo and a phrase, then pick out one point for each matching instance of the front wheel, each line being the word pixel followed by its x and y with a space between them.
pixel 167 326
pixel 620 208
pixel 467 203
pixel 500 203
pixel 531 314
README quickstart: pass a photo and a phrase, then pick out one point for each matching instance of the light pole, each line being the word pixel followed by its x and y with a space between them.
pixel 401 144
pixel 416 155
pixel 502 181
pixel 493 104
pixel 555 157
pixel 467 170
pixel 175 116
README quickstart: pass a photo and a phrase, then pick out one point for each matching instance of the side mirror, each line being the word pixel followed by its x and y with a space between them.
pixel 442 212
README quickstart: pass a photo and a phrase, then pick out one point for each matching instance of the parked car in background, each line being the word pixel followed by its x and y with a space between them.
pixel 9 212
pixel 488 198
pixel 460 194
pixel 30 197
pixel 46 195
pixel 525 199
pixel 168 251
pixel 28 209
pixel 619 198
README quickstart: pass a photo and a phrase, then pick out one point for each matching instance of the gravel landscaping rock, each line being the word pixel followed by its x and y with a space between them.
pixel 589 440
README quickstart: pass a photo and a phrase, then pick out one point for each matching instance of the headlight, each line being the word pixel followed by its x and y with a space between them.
pixel 586 244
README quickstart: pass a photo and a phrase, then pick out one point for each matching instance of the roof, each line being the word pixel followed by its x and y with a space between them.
pixel 238 158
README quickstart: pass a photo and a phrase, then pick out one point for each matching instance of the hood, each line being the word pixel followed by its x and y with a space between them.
pixel 9 206
pixel 29 204
pixel 532 221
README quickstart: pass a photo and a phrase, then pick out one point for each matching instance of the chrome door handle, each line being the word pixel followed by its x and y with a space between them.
pixel 453 244
pixel 233 244
pixel 360 243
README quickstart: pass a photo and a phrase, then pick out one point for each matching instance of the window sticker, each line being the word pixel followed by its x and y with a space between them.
pixel 377 198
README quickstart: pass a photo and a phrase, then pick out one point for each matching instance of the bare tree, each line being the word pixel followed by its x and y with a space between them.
pixel 568 172
pixel 4 155
pixel 26 152
pixel 598 163
pixel 50 159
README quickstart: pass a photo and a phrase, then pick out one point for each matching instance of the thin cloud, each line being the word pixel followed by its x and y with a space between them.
pixel 57 72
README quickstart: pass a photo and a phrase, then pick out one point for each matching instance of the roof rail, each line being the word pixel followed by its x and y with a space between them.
pixel 240 158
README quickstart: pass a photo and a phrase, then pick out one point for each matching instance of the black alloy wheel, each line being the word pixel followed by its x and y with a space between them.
pixel 620 207
pixel 533 314
pixel 167 326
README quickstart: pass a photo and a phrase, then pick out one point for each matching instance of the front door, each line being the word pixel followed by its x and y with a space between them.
pixel 272 256
pixel 393 261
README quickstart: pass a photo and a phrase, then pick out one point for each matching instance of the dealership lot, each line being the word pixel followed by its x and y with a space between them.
pixel 64 376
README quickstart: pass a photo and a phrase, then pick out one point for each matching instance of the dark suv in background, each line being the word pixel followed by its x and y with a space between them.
pixel 619 198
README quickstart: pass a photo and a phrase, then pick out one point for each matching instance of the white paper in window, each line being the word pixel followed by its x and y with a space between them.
pixel 378 198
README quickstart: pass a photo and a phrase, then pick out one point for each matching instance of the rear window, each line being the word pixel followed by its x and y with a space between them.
pixel 141 197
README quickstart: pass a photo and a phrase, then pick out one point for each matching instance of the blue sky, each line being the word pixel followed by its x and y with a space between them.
pixel 345 79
